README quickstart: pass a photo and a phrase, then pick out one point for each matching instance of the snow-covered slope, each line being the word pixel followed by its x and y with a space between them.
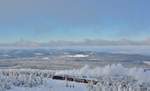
pixel 53 85
pixel 107 77
pixel 110 70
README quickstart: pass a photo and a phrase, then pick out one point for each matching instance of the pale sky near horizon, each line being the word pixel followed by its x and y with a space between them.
pixel 74 20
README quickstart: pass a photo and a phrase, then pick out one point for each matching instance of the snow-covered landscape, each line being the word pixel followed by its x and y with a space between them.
pixel 74 45
pixel 72 70
pixel 107 78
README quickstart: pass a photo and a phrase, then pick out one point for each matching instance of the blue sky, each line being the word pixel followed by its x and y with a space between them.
pixel 74 20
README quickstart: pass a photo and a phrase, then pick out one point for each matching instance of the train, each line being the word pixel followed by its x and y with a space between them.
pixel 73 79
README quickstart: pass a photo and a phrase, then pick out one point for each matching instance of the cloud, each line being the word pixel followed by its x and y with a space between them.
pixel 86 42
pixel 100 42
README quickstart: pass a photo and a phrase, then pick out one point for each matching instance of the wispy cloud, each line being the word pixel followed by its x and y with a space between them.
pixel 86 42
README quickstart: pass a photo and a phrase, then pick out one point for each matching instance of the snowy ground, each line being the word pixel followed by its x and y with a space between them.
pixel 109 78
pixel 53 85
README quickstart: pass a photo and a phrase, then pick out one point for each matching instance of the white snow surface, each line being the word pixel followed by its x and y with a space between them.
pixel 77 56
pixel 107 71
pixel 54 85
